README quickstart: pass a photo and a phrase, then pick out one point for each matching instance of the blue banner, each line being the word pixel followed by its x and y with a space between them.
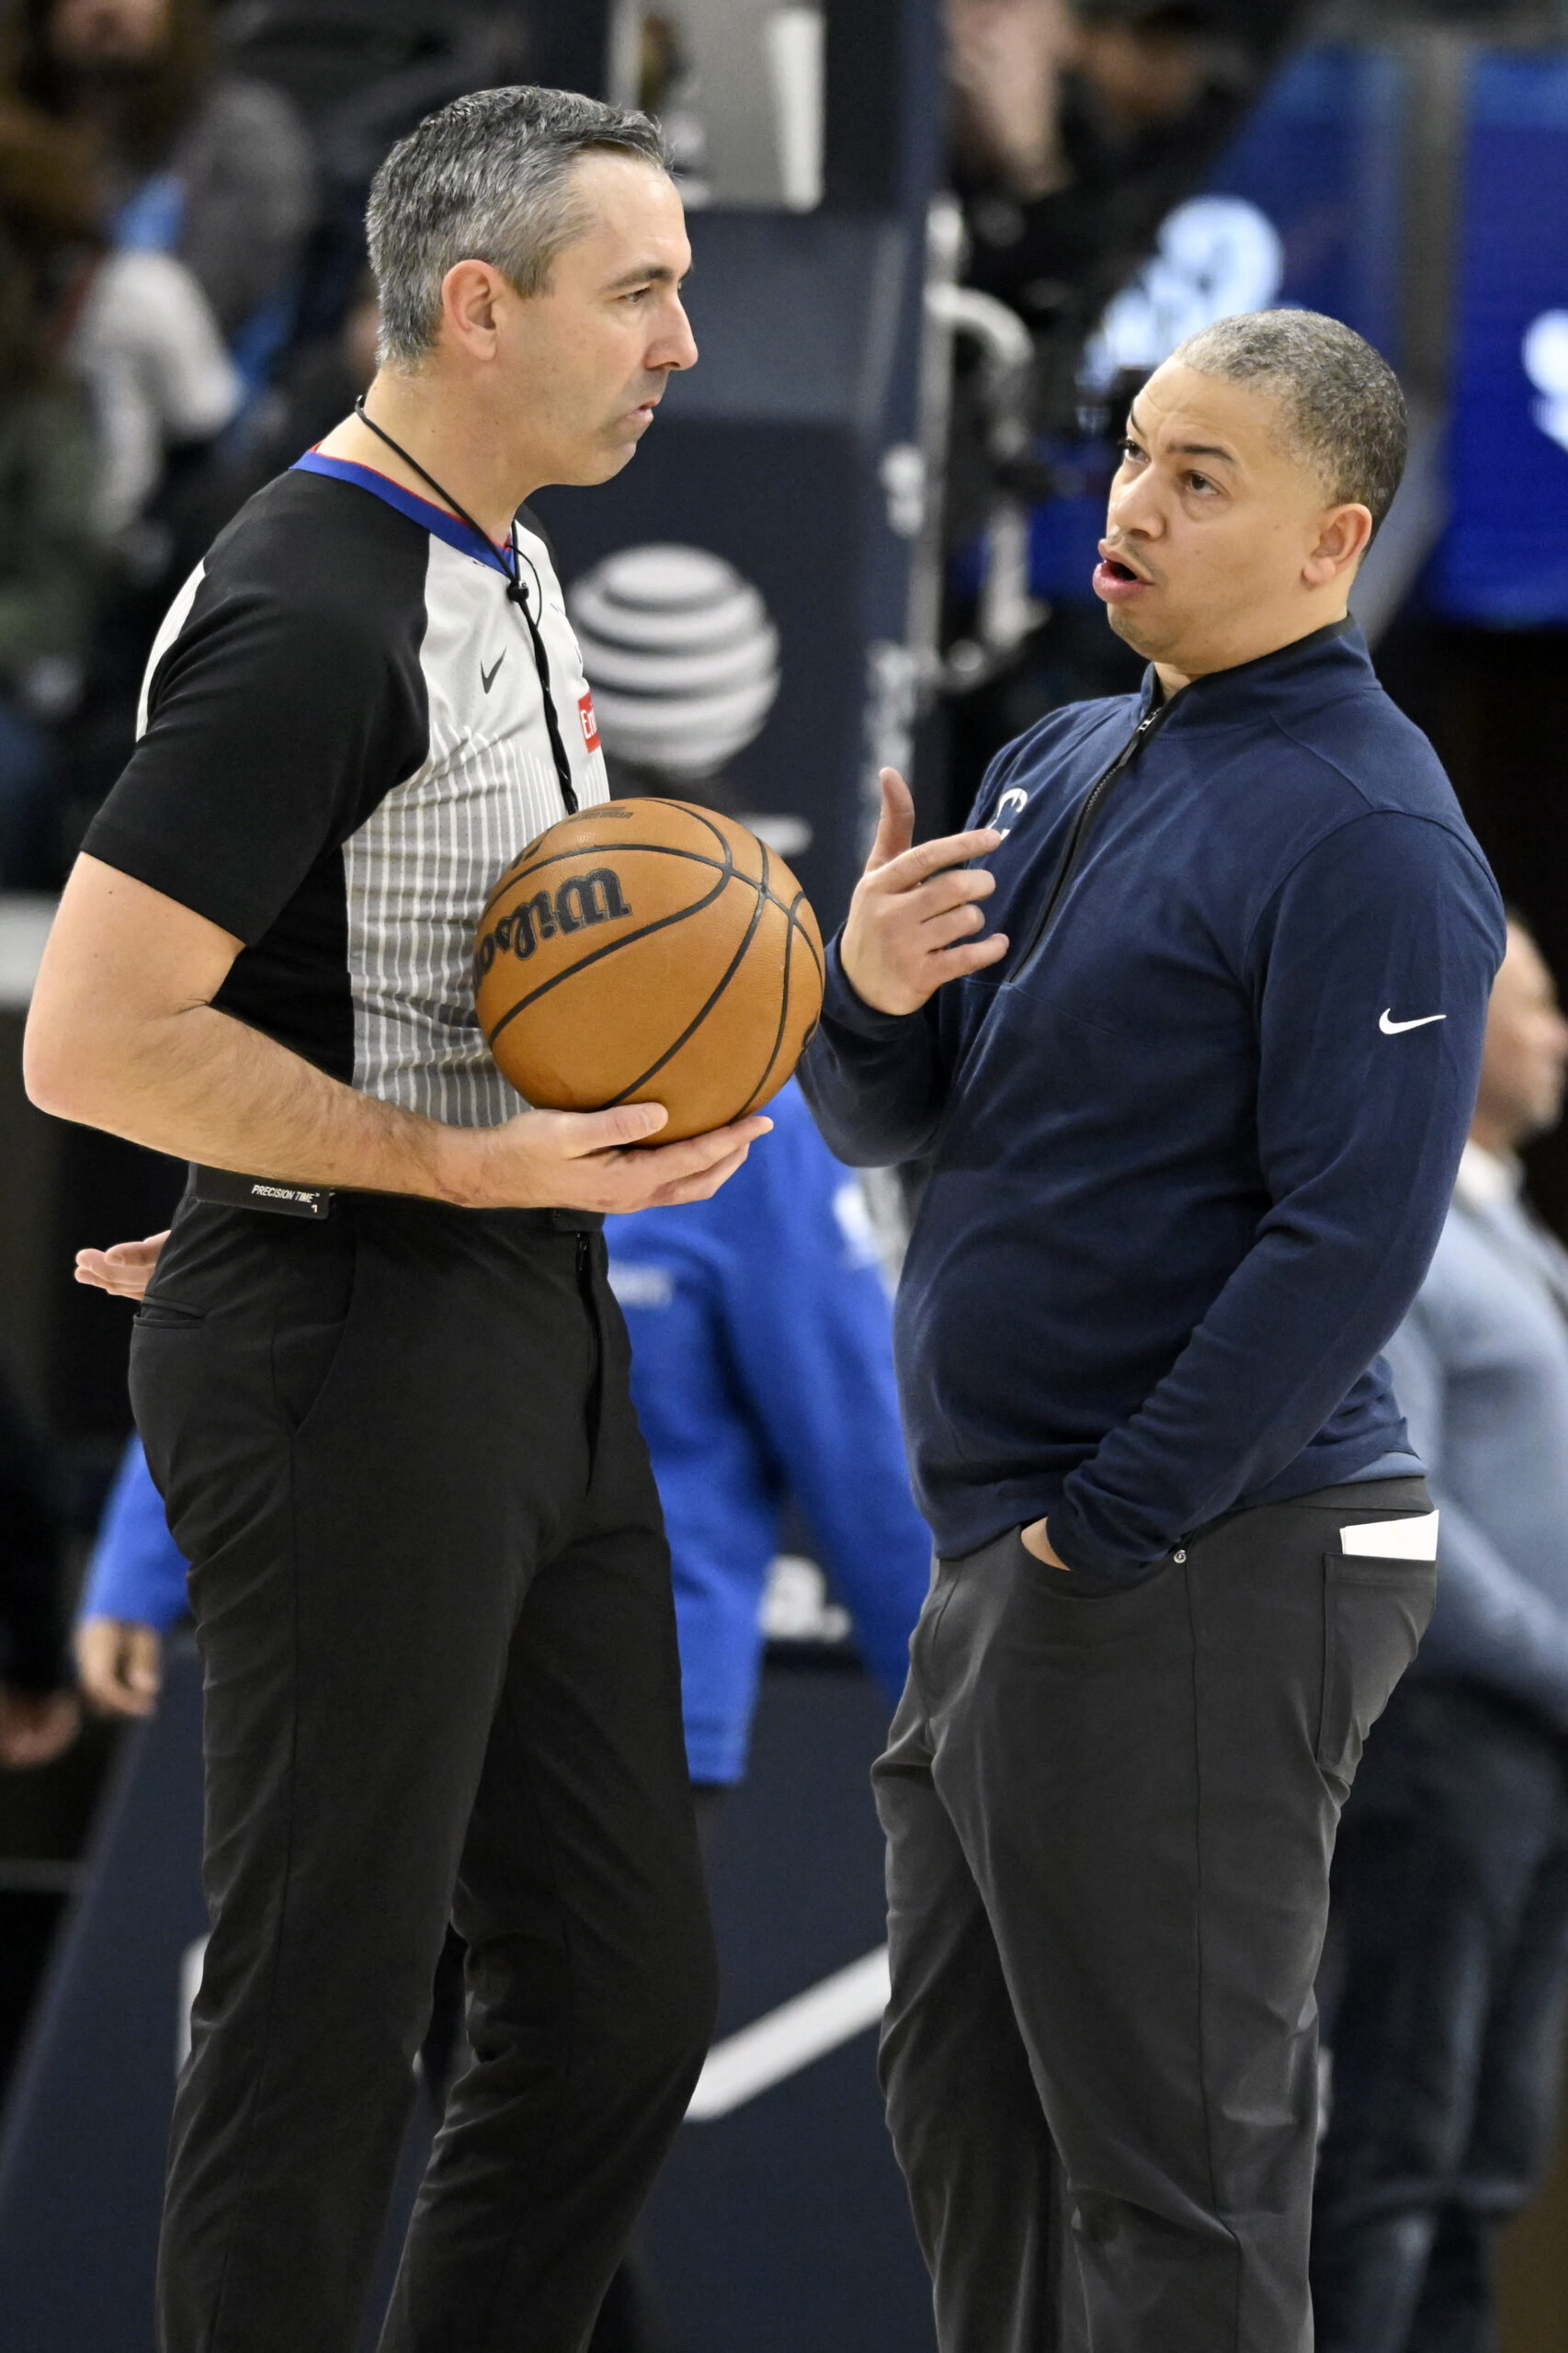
pixel 1504 559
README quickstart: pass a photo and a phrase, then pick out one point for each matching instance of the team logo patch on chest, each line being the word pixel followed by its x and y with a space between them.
pixel 590 725
pixel 581 901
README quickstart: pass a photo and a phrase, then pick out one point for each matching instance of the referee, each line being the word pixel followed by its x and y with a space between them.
pixel 379 1375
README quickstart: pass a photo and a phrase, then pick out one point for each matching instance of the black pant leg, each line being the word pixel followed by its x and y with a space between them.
pixel 963 2108
pixel 591 1975
pixel 1144 1786
pixel 370 1434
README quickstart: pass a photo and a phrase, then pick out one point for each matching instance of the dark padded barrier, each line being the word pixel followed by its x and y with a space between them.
pixel 82 2144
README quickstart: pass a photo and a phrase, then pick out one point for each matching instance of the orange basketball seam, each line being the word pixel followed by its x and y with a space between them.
pixel 736 961
pixel 801 899
pixel 795 925
pixel 783 1001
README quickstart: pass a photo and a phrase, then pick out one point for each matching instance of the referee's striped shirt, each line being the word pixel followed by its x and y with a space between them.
pixel 342 741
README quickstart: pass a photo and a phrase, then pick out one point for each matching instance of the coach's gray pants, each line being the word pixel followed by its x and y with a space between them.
pixel 1109 1820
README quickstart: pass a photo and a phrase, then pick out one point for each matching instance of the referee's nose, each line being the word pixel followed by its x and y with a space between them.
pixel 672 345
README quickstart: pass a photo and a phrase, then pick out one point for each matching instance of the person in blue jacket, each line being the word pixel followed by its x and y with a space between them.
pixel 1191 1113
pixel 762 1369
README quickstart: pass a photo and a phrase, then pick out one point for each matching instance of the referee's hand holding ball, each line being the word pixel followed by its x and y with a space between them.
pixel 915 913
pixel 589 1160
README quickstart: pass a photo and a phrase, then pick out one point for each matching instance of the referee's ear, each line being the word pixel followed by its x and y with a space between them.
pixel 472 296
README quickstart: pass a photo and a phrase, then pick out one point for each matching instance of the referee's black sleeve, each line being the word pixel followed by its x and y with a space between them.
pixel 278 716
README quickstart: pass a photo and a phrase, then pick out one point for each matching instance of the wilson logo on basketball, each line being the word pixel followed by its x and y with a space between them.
pixel 583 900
pixel 590 725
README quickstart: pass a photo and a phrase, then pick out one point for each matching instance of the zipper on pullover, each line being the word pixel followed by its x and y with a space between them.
pixel 1089 809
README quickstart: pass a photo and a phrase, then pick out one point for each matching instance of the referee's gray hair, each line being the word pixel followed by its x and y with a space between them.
pixel 487 179
pixel 1343 410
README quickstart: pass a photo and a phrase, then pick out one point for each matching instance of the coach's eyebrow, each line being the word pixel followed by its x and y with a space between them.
pixel 1187 449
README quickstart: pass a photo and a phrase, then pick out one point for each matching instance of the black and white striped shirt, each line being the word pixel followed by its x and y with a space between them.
pixel 342 741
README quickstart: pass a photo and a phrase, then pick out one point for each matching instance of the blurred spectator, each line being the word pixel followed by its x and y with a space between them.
pixel 211 169
pixel 202 191
pixel 1448 1963
pixel 761 1370
pixel 51 550
pixel 1078 127
pixel 147 351
pixel 317 390
pixel 38 1715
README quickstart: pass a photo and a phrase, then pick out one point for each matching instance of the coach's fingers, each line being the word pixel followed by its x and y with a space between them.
pixel 959 923
pixel 914 866
pixel 957 886
pixel 976 956
pixel 895 826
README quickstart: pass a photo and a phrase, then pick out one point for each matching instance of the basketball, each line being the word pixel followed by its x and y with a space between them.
pixel 649 951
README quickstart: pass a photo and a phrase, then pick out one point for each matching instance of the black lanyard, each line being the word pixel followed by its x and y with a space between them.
pixel 517 594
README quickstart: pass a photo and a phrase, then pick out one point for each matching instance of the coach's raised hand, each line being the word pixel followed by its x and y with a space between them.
pixel 916 915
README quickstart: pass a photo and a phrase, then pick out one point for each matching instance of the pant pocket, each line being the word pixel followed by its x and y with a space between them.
pixel 167 1316
pixel 1374 1614
pixel 1086 1584
pixel 307 1329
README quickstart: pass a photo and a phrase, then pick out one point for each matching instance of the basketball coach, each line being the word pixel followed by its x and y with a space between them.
pixel 379 1372
pixel 1192 1111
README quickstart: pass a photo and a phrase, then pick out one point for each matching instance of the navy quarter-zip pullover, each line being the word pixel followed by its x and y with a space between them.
pixel 1192 1143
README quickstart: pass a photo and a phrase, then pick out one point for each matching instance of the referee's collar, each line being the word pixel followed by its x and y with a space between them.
pixel 423 511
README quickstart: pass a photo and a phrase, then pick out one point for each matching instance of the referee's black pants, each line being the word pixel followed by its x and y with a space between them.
pixel 1109 1822
pixel 432 1595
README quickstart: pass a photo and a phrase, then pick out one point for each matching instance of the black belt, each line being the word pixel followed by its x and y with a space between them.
pixel 230 1191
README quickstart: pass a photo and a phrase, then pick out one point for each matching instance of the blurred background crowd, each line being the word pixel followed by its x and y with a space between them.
pixel 185 307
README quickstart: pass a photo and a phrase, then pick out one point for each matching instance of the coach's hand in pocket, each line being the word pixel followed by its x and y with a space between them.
pixel 1036 1539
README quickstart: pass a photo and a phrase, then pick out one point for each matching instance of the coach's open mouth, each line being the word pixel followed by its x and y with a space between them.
pixel 1115 579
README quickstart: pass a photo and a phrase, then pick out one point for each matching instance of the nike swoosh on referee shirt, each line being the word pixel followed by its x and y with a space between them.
pixel 487 678
pixel 1392 1029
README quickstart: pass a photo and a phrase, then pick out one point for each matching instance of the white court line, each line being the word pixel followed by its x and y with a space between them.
pixel 805 2027
pixel 789 2037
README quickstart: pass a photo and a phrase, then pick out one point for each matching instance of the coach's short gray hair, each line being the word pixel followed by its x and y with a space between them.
pixel 1343 410
pixel 488 178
